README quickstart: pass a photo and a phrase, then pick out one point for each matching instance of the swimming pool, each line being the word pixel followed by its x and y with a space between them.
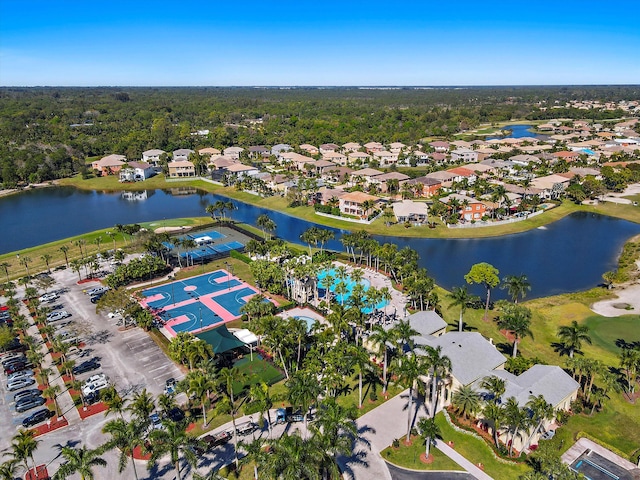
pixel 308 320
pixel 350 283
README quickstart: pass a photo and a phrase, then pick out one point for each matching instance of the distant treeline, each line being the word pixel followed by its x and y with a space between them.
pixel 48 132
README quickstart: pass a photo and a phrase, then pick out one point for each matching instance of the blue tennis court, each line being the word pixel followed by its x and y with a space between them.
pixel 212 235
pixel 192 288
pixel 226 247
pixel 199 317
pixel 232 301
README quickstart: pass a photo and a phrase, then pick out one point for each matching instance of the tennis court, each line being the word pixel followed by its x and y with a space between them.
pixel 198 303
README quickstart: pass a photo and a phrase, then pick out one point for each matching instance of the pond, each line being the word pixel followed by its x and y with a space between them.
pixel 566 256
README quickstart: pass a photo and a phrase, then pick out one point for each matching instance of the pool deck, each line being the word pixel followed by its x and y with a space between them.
pixel 584 444
pixel 378 280
pixel 303 312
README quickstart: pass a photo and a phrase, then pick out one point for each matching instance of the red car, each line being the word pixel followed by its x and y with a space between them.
pixel 15 367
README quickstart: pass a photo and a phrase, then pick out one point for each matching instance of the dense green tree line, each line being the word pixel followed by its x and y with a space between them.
pixel 47 133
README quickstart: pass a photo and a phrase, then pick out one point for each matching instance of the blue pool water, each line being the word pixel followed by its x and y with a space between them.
pixel 308 320
pixel 588 151
pixel 343 298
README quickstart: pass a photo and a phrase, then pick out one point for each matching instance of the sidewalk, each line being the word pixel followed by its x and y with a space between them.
pixel 65 402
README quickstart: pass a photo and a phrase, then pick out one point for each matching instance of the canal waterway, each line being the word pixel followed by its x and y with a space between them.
pixel 519 131
pixel 566 256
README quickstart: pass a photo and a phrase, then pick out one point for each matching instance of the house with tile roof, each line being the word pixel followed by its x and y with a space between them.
pixel 358 204
pixel 412 212
pixel 110 164
pixel 152 156
pixel 181 169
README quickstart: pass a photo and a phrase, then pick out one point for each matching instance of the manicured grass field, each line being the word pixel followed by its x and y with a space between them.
pixel 409 457
pixel 256 370
pixel 477 451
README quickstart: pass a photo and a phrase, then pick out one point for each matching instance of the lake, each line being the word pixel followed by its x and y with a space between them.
pixel 566 256
pixel 519 131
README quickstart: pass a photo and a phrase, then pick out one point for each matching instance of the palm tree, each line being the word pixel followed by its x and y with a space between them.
pixel 46 258
pixel 9 470
pixel 303 389
pixel 403 332
pixel 25 261
pixel 494 385
pixel 494 413
pixel 174 440
pixel 540 410
pixel 440 366
pixel 573 335
pixel 5 266
pixel 266 225
pixel 260 398
pixel 23 445
pixel 466 401
pixel 125 437
pixel 460 297
pixel 142 405
pixel 630 362
pixel 227 377
pixel 516 418
pixel 408 369
pixel 199 385
pixel 380 337
pixel 359 358
pixel 114 402
pixel 52 392
pixel 79 460
pixel 429 431
pixel 292 457
pixel 516 286
pixel 517 320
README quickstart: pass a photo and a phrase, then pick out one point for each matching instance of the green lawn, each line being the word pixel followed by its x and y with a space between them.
pixel 477 451
pixel 409 457
pixel 256 370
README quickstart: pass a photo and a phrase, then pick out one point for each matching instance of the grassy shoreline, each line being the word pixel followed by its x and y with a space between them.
pixel 378 227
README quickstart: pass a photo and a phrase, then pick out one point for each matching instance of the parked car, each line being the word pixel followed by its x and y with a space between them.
pixel 85 367
pixel 91 398
pixel 29 403
pixel 96 291
pixel 218 439
pixel 57 315
pixel 95 387
pixel 175 414
pixel 155 421
pixel 95 378
pixel 14 359
pixel 20 383
pixel 32 392
pixel 246 428
pixel 96 297
pixel 37 417
pixel 548 435
pixel 170 386
pixel 49 297
pixel 14 367
pixel 20 374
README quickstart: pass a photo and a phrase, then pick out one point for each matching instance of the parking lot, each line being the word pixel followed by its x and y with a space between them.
pixel 130 359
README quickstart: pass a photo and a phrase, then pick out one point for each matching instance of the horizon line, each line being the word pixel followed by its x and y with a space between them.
pixel 363 87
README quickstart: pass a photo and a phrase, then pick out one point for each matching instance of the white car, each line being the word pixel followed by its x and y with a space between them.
pixel 94 387
pixel 58 315
pixel 96 291
pixel 95 378
pixel 48 297
pixel 19 383
pixel 20 374
pixel 115 314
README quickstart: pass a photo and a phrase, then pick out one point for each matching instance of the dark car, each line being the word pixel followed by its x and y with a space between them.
pixel 29 403
pixel 17 358
pixel 91 398
pixel 37 417
pixel 86 366
pixel 14 367
pixel 32 392
pixel 217 439
pixel 175 414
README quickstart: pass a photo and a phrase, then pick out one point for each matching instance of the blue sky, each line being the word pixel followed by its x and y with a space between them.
pixel 87 43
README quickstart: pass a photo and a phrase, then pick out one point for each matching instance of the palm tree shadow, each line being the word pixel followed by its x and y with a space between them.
pixel 157 471
pixel 504 348
pixel 563 350
pixel 465 327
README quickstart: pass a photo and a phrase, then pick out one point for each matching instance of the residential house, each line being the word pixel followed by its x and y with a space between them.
pixel 322 166
pixel 241 170
pixel 363 176
pixel 233 152
pixel 337 175
pixel 136 172
pixel 444 177
pixel 335 157
pixel 221 162
pixel 384 179
pixel 462 144
pixel 358 204
pixel 210 151
pixel 464 155
pixel 438 157
pixel 351 147
pixel 279 148
pixel 310 149
pixel 424 186
pixel 110 164
pixel 296 160
pixel 567 156
pixel 328 148
pixel 385 158
pixel 469 208
pixel 373 147
pixel 152 157
pixel 550 186
pixel 462 173
pixel 421 157
pixel 359 158
pixel 397 147
pixel 412 212
pixel 440 146
pixel 329 196
pixel 181 154
pixel 524 160
pixel 181 168
pixel 259 151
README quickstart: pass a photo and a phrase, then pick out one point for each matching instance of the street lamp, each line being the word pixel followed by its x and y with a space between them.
pixel 200 309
